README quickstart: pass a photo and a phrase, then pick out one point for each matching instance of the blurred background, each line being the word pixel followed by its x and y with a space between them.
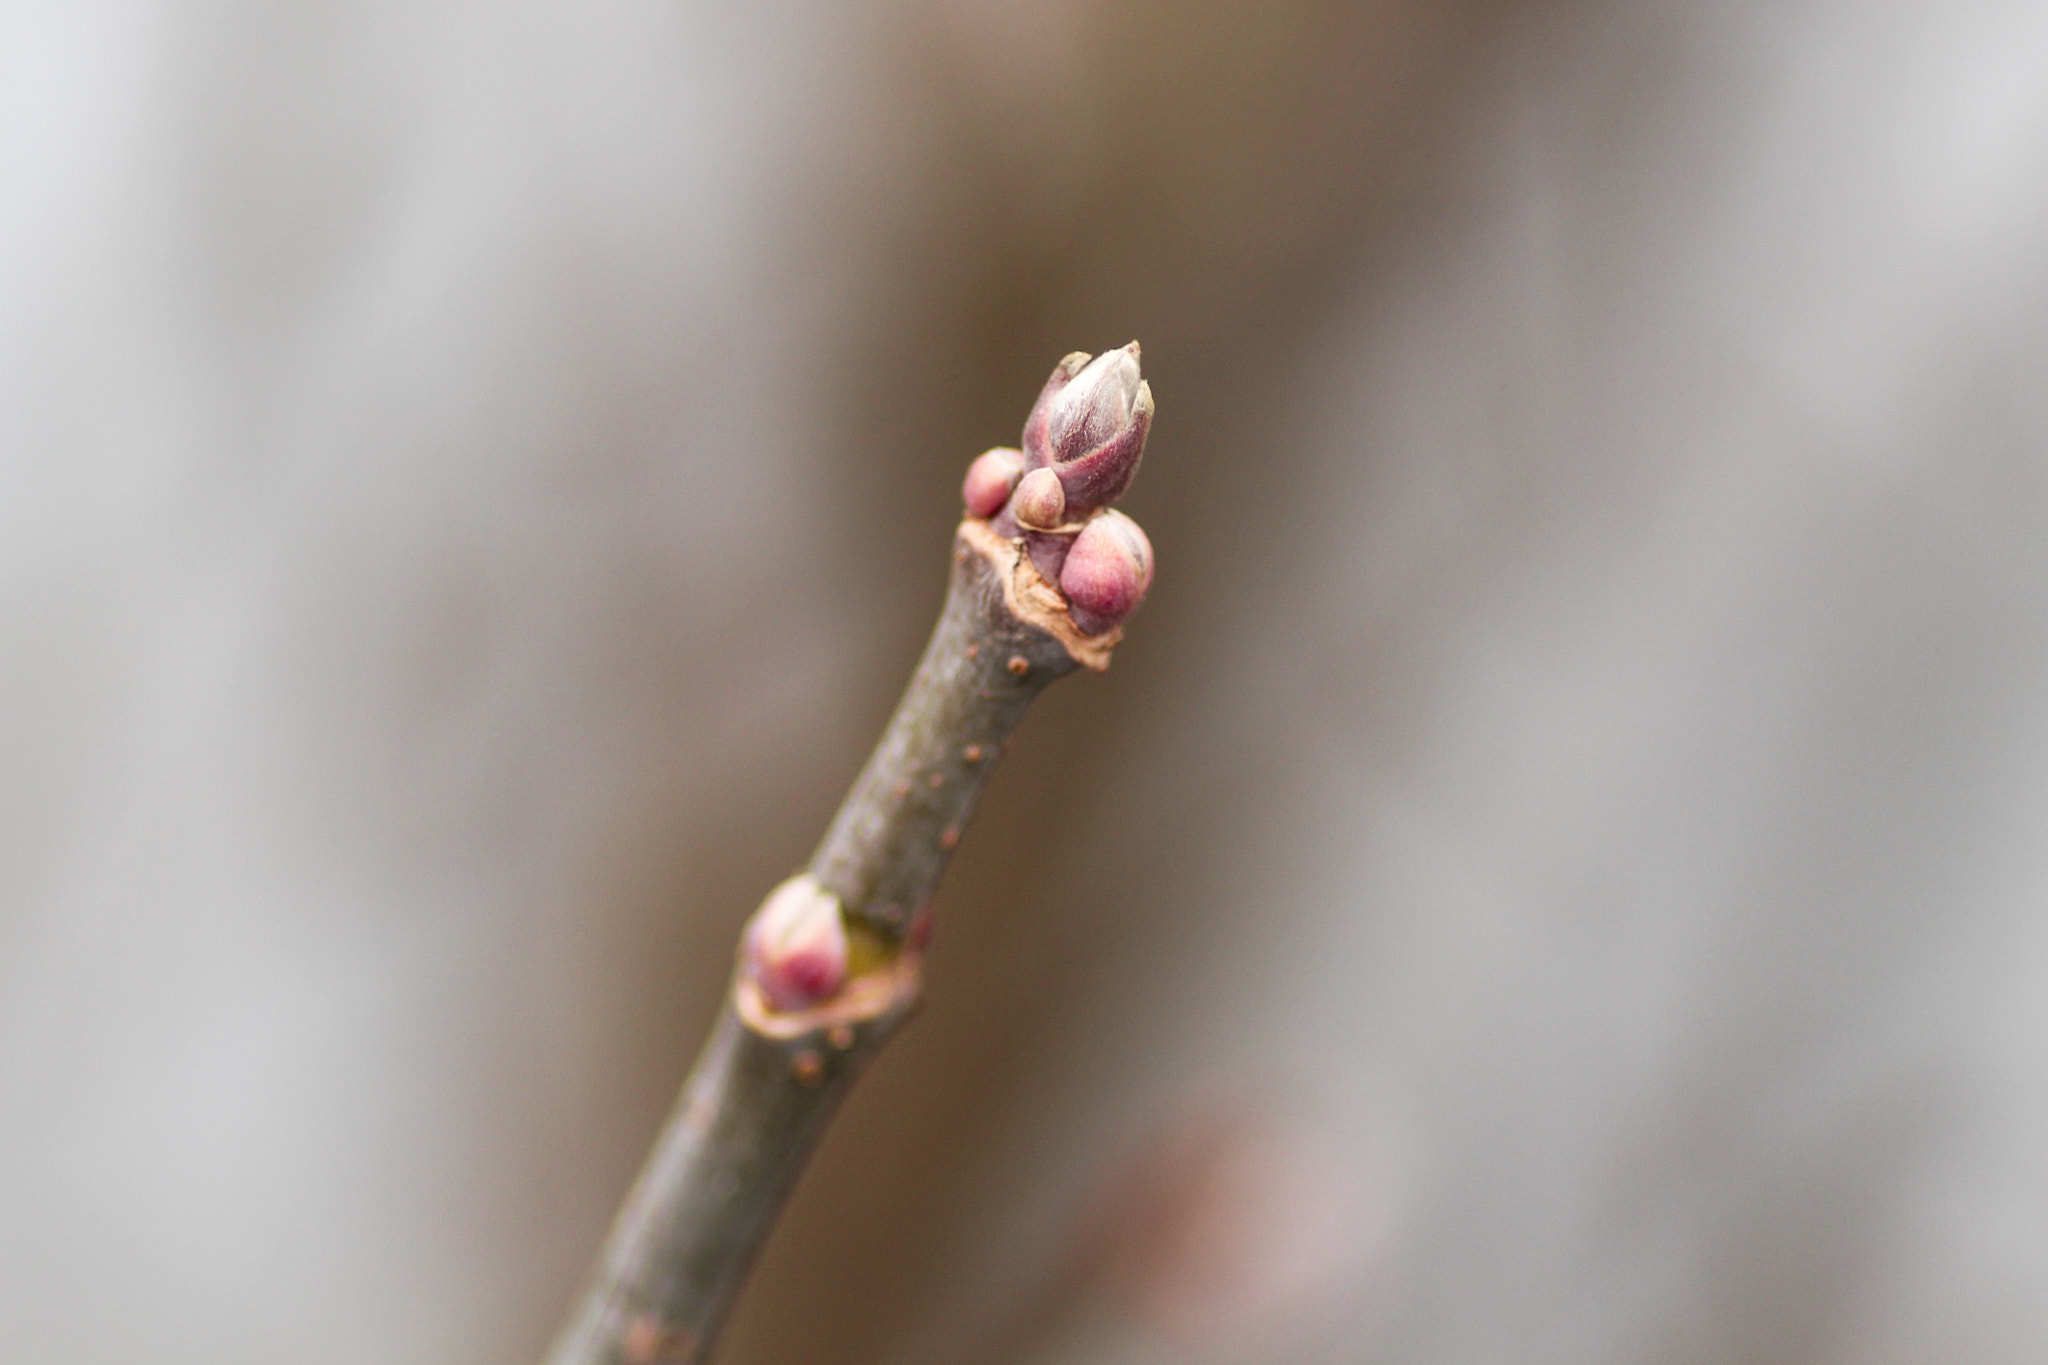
pixel 1555 874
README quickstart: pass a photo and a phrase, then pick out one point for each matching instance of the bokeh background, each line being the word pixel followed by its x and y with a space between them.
pixel 1555 874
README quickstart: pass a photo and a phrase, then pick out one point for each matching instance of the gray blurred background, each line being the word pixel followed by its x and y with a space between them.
pixel 1556 874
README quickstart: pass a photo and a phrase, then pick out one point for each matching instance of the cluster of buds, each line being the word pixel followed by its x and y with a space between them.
pixel 1082 443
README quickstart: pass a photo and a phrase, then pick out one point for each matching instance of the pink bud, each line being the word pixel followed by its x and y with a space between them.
pixel 1106 573
pixel 990 479
pixel 796 945
pixel 1040 503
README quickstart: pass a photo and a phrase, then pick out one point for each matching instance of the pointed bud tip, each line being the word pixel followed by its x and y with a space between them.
pixel 1089 424
pixel 1095 407
pixel 990 480
pixel 1107 573
pixel 796 947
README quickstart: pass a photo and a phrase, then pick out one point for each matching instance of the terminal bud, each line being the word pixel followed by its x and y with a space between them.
pixel 1094 429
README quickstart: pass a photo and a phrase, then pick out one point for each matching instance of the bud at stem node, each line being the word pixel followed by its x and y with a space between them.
pixel 796 946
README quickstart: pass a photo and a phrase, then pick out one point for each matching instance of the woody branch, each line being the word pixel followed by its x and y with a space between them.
pixel 1044 572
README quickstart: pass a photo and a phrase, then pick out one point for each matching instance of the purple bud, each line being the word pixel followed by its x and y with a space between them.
pixel 1037 450
pixel 1082 443
pixel 796 945
pixel 1094 429
pixel 1040 503
pixel 990 480
pixel 1095 405
pixel 1106 573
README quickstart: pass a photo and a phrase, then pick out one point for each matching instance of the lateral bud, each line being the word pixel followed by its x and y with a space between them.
pixel 1093 433
pixel 795 947
pixel 1040 504
pixel 1106 573
pixel 990 480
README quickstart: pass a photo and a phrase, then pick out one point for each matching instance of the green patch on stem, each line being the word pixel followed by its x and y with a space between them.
pixel 866 950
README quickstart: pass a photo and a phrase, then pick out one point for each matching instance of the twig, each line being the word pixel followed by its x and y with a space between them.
pixel 829 966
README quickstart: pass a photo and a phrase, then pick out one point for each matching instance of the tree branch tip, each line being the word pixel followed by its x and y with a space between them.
pixel 1082 445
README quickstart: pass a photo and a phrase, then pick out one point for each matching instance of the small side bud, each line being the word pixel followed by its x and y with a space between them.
pixel 1040 503
pixel 990 480
pixel 1106 573
pixel 796 945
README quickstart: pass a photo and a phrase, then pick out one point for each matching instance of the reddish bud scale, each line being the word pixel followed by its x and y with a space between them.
pixel 1106 573
pixel 1048 550
pixel 1037 444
